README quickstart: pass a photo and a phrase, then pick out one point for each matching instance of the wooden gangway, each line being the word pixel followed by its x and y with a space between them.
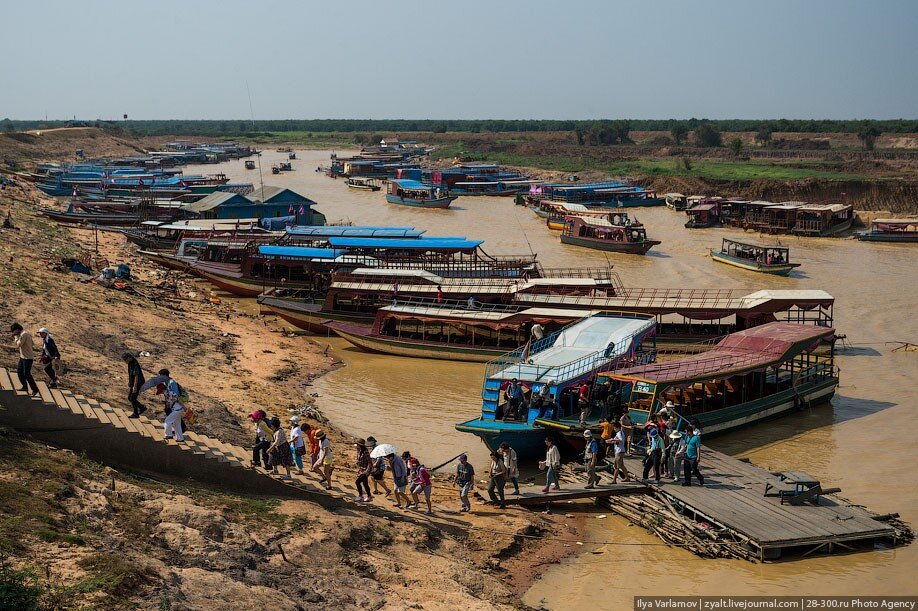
pixel 533 495
pixel 756 511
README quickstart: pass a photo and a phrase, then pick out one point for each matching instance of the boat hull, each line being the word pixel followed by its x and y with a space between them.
pixel 527 439
pixel 871 236
pixel 441 203
pixel 364 187
pixel 309 316
pixel 630 248
pixel 753 266
pixel 236 286
pixel 415 349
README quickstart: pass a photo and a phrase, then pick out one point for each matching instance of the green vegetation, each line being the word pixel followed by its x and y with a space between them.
pixel 248 129
pixel 736 146
pixel 109 573
pixel 707 135
pixel 52 536
pixel 679 131
pixel 19 589
pixel 868 134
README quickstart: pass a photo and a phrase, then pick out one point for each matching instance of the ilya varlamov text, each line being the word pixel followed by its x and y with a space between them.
pixel 716 603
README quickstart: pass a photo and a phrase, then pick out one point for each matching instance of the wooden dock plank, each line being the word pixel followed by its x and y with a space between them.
pixel 533 495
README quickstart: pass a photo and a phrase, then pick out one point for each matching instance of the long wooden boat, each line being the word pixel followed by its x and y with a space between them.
pixel 363 183
pixel 755 257
pixel 452 331
pixel 603 235
pixel 749 376
pixel 891 230
pixel 417 194
pixel 823 220
pixel 560 361
pixel 676 201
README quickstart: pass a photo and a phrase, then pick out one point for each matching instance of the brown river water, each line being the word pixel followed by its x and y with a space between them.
pixel 864 442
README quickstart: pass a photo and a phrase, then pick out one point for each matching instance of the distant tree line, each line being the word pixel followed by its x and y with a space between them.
pixel 588 132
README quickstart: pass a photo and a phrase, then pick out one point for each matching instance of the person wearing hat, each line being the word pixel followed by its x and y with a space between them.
pixel 26 358
pixel 618 458
pixel 364 467
pixel 379 469
pixel 323 464
pixel 691 457
pixel 421 483
pixel 676 453
pixel 297 443
pixel 279 450
pixel 591 458
pixel 50 356
pixel 465 479
pixel 654 453
pixel 263 437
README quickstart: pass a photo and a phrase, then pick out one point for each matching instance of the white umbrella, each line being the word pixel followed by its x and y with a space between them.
pixel 383 450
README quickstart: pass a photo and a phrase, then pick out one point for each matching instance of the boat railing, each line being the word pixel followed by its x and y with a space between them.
pixel 426 305
pixel 694 298
pixel 596 273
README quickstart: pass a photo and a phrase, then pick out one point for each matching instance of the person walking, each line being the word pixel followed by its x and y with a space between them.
pixel 135 381
pixel 364 467
pixel 512 464
pixel 379 470
pixel 627 430
pixel 172 425
pixel 591 458
pixel 692 457
pixel 421 483
pixel 552 464
pixel 399 477
pixel 324 464
pixel 263 437
pixel 605 438
pixel 297 443
pixel 310 434
pixel 279 450
pixel 654 454
pixel 26 358
pixel 465 479
pixel 498 478
pixel 676 454
pixel 50 356
pixel 618 455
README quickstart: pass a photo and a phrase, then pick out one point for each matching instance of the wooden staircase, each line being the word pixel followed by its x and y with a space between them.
pixel 107 434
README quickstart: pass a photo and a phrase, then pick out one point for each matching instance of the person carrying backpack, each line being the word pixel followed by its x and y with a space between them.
pixel 50 356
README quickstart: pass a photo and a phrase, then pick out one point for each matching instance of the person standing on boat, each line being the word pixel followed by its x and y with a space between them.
pixel 654 454
pixel 465 479
pixel 26 358
pixel 537 332
pixel 618 460
pixel 583 399
pixel 692 457
pixel 513 395
pixel 439 294
pixel 552 465
pixel 324 464
pixel 497 481
pixel 364 468
pixel 512 464
pixel 50 356
pixel 379 469
pixel 591 458
pixel 135 381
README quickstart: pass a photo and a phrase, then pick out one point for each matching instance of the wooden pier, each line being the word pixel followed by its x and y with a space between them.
pixel 533 495
pixel 743 511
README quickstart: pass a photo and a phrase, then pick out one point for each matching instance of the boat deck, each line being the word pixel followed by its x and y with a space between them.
pixel 733 501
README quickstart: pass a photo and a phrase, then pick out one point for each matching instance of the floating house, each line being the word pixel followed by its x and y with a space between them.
pixel 265 202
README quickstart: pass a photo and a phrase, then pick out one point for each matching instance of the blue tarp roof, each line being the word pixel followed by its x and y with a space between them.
pixel 407 183
pixel 298 251
pixel 357 232
pixel 432 243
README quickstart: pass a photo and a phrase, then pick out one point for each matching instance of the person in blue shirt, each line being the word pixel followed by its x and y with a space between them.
pixel 692 456
pixel 591 458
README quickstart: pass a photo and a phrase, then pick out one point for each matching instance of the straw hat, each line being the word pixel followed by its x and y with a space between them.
pixel 361 443
pixel 320 434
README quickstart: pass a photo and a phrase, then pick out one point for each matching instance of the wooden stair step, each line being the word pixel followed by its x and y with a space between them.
pixel 59 399
pixel 78 408
pixel 6 380
pixel 44 392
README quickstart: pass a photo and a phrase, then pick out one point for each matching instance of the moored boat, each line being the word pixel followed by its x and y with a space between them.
pixel 602 234
pixel 755 257
pixel 249 164
pixel 363 183
pixel 675 201
pixel 891 230
pixel 417 194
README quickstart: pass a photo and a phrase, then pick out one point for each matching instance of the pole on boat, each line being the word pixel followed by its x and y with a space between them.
pixel 456 457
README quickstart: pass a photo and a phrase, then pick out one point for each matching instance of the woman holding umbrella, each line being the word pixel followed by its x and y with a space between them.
pixel 397 467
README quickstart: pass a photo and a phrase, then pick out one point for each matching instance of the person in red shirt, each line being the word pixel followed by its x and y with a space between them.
pixel 584 400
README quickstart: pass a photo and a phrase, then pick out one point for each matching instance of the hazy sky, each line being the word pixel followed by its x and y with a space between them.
pixel 560 59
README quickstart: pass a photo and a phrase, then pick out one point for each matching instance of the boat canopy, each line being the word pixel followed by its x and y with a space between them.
pixel 412 185
pixel 749 350
pixel 494 319
pixel 432 243
pixel 356 232
pixel 896 222
pixel 298 252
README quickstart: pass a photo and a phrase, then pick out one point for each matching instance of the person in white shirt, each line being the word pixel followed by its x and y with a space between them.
pixel 297 444
pixel 552 464
pixel 324 465
pixel 618 461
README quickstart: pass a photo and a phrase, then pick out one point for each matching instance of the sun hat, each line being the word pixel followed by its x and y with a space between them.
pixel 295 419
pixel 372 440
pixel 43 330
pixel 361 443
pixel 587 434
pixel 670 404
pixel 320 434
pixel 675 435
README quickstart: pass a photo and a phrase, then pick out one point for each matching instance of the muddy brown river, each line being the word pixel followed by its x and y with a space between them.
pixel 865 441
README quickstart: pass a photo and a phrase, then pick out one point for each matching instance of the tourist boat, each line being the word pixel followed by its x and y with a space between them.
pixel 675 201
pixel 291 155
pixel 562 360
pixel 548 209
pixel 451 330
pixel 414 193
pixel 703 214
pixel 755 257
pixel 615 194
pixel 163 235
pixel 365 184
pixel 748 376
pixel 285 166
pixel 275 169
pixel 249 164
pixel 602 234
pixel 823 220
pixel 891 230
